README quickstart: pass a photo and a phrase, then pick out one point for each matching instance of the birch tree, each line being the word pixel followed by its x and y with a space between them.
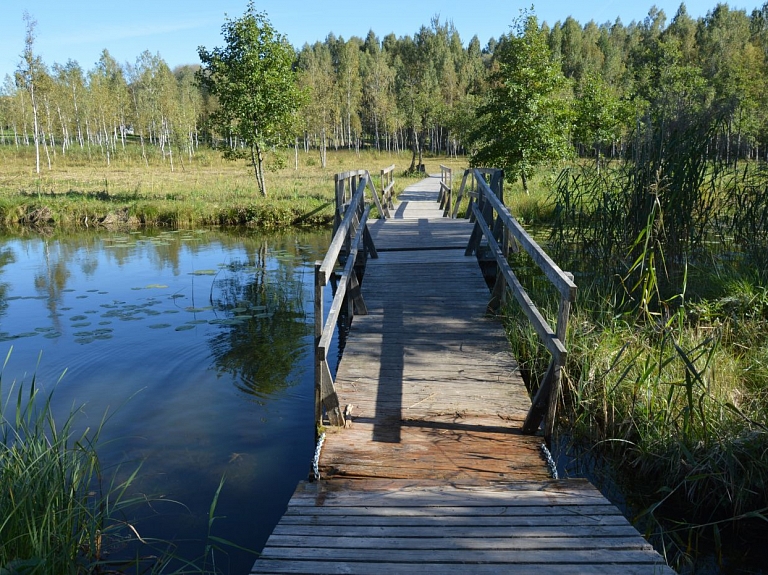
pixel 29 76
pixel 253 78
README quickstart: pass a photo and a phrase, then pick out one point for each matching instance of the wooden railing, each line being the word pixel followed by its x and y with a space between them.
pixel 494 222
pixel 446 183
pixel 350 235
pixel 347 184
pixel 468 189
pixel 387 184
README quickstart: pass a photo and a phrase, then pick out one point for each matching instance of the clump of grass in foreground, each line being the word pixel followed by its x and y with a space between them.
pixel 56 515
pixel 53 516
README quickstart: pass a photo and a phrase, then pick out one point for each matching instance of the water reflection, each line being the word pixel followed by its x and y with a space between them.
pixel 6 258
pixel 262 354
pixel 198 345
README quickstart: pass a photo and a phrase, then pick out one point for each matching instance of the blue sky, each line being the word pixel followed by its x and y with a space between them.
pixel 81 29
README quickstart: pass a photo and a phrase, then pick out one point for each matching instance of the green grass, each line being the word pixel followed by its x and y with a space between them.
pixel 60 514
pixel 667 372
pixel 56 515
pixel 81 190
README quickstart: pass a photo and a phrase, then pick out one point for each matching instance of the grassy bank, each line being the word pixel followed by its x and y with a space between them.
pixel 81 190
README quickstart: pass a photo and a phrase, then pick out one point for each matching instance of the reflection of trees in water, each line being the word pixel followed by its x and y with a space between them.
pixel 6 257
pixel 261 353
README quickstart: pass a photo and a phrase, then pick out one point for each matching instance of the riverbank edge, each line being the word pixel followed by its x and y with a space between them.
pixel 58 213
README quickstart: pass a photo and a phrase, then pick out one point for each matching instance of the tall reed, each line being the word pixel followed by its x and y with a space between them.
pixel 666 372
pixel 59 514
pixel 54 515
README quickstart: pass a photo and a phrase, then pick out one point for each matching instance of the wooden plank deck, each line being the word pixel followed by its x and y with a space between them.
pixel 433 473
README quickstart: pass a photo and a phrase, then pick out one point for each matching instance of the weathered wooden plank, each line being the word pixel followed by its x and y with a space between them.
pixel 428 566
pixel 553 492
pixel 353 518
pixel 501 556
pixel 464 538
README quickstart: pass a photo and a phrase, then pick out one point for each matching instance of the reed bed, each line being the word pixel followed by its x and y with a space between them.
pixel 667 374
pixel 56 514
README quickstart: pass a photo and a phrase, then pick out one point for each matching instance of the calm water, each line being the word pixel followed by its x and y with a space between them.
pixel 197 345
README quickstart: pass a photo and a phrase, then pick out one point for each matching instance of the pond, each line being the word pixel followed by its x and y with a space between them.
pixel 198 347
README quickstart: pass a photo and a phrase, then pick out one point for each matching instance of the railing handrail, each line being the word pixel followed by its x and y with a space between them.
pixel 351 230
pixel 332 255
pixel 558 277
pixel 341 290
pixel 481 209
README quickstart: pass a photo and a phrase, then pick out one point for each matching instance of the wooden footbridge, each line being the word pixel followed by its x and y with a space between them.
pixel 432 457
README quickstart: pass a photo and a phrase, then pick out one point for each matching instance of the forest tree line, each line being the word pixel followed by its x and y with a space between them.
pixel 419 92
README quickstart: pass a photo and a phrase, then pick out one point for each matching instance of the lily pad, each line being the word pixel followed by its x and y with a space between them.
pixel 156 286
pixel 185 327
pixel 159 325
pixel 203 273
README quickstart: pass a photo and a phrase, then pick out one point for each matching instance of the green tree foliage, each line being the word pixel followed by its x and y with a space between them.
pixel 524 121
pixel 420 92
pixel 322 112
pixel 599 116
pixel 254 82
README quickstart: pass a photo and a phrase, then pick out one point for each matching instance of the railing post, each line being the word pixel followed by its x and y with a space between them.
pixel 319 288
pixel 460 194
pixel 339 201
pixel 554 394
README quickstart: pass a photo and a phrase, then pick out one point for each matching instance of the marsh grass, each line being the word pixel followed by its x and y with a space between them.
pixel 60 514
pixel 55 515
pixel 82 191
pixel 679 408
pixel 666 377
